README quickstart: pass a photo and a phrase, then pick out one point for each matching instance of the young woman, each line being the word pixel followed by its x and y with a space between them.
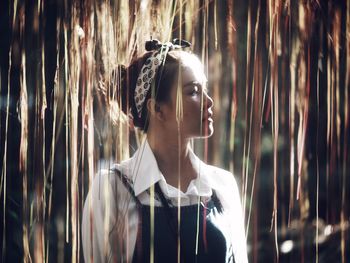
pixel 164 204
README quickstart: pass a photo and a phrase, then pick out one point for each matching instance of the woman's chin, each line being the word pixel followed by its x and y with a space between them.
pixel 210 133
pixel 207 130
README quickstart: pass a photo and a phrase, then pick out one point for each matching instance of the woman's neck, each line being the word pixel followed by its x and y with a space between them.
pixel 174 160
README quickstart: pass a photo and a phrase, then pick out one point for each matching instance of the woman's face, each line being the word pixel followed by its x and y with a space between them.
pixel 194 114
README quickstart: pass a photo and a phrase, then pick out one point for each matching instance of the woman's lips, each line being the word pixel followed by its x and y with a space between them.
pixel 208 118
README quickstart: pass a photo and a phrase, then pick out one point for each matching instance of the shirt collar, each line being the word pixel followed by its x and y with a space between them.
pixel 144 172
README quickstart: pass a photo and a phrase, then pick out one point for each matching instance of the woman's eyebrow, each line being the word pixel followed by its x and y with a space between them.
pixel 192 82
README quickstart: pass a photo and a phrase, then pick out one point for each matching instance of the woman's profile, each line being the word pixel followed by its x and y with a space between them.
pixel 164 204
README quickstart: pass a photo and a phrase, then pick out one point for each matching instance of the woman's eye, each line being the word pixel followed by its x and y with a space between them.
pixel 195 91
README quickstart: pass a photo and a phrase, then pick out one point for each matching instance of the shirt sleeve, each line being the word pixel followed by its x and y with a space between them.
pixel 99 220
pixel 228 194
pixel 94 225
pixel 238 228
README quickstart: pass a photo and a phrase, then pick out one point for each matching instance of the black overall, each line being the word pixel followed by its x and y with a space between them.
pixel 212 245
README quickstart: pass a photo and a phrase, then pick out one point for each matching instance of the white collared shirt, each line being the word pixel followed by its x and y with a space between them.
pixel 110 216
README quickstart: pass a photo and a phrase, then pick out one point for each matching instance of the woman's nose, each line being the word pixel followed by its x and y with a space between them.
pixel 208 101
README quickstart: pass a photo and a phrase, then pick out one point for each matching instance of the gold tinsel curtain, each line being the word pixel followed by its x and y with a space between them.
pixel 279 74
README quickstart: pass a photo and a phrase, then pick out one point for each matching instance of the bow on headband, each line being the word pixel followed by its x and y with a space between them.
pixel 175 44
pixel 155 62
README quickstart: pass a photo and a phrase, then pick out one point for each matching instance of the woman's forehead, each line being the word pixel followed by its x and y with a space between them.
pixel 193 75
pixel 192 69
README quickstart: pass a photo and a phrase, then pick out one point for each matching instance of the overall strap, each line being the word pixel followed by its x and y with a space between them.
pixel 137 257
pixel 217 202
pixel 165 203
pixel 128 185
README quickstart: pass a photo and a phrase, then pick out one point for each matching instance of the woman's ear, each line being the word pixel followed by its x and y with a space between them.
pixel 155 109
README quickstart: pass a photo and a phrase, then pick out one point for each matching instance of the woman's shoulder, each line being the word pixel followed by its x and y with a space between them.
pixel 224 184
pixel 220 176
pixel 103 177
pixel 110 180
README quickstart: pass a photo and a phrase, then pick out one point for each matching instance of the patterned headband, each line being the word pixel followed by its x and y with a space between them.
pixel 148 71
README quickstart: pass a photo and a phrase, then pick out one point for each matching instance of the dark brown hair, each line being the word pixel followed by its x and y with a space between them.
pixel 164 80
